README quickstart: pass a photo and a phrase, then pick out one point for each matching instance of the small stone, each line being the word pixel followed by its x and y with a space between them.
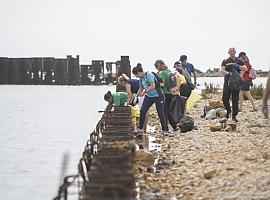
pixel 210 174
pixel 266 155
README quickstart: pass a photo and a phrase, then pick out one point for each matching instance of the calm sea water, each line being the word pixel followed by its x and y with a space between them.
pixel 38 125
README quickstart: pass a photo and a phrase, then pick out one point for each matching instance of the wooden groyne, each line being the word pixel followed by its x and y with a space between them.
pixel 105 171
pixel 60 71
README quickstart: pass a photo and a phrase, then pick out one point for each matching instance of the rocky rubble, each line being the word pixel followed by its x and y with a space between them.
pixel 201 164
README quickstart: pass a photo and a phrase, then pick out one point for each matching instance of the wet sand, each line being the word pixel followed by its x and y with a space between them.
pixel 201 164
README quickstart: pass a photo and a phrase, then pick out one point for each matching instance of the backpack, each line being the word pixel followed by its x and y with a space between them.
pixel 158 81
pixel 235 80
pixel 171 82
pixel 188 78
pixel 252 73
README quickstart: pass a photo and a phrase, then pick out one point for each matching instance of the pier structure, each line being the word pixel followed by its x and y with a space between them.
pixel 106 168
pixel 60 71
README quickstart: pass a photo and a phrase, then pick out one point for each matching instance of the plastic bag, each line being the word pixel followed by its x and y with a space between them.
pixel 235 80
pixel 177 107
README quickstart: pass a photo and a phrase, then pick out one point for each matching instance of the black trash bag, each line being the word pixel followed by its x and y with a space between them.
pixel 177 107
pixel 186 124
pixel 235 80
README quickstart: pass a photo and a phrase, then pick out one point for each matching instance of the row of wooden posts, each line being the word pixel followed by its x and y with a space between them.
pixel 61 71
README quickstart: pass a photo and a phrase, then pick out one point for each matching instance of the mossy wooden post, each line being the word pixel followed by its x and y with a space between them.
pixel 122 67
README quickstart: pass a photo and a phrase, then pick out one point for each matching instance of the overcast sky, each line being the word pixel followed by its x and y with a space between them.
pixel 145 30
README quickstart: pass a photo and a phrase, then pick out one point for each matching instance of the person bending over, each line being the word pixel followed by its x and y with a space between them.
pixel 153 94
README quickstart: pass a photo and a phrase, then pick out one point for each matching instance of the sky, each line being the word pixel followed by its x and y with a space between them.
pixel 144 30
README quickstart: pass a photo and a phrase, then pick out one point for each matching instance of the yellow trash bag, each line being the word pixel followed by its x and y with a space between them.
pixel 193 98
pixel 135 113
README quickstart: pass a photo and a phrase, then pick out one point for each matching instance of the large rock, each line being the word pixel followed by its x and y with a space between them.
pixel 215 127
pixel 214 103
pixel 145 158
pixel 212 114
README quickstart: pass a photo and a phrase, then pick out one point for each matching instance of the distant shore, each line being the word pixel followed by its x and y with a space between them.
pixel 216 73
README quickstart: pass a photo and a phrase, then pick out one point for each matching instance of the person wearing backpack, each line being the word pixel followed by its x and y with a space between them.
pixel 150 87
pixel 184 77
pixel 189 68
pixel 245 89
pixel 231 65
pixel 170 86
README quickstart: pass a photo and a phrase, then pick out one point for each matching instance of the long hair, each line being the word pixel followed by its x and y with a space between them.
pixel 160 65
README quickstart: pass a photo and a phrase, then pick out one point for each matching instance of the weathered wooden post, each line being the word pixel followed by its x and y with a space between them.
pixel 3 70
pixel 122 67
pixel 36 65
pixel 73 69
pixel 49 68
pixel 61 71
pixel 98 66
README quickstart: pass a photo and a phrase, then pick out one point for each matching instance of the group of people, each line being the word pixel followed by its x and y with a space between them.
pixel 240 65
pixel 153 88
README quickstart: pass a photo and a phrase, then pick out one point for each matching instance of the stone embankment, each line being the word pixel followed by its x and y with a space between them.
pixel 201 164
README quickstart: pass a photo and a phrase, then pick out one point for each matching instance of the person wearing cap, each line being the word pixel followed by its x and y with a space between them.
pixel 227 69
pixel 189 67
pixel 245 88
pixel 184 89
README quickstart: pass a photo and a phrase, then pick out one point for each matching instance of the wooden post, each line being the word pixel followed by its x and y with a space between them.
pixel 3 70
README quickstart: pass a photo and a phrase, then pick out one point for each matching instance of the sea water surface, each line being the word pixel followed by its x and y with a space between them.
pixel 38 125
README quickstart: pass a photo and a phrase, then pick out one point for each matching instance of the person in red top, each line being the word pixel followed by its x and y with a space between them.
pixel 245 89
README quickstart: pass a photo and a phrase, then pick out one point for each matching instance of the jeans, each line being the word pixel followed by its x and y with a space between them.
pixel 147 103
pixel 227 92
pixel 168 116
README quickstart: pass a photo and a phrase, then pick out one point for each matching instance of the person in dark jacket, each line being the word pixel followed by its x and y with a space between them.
pixel 227 69
pixel 131 85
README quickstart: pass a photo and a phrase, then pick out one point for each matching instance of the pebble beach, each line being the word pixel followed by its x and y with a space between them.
pixel 201 164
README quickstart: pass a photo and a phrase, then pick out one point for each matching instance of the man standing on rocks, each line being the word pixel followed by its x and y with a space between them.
pixel 227 67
